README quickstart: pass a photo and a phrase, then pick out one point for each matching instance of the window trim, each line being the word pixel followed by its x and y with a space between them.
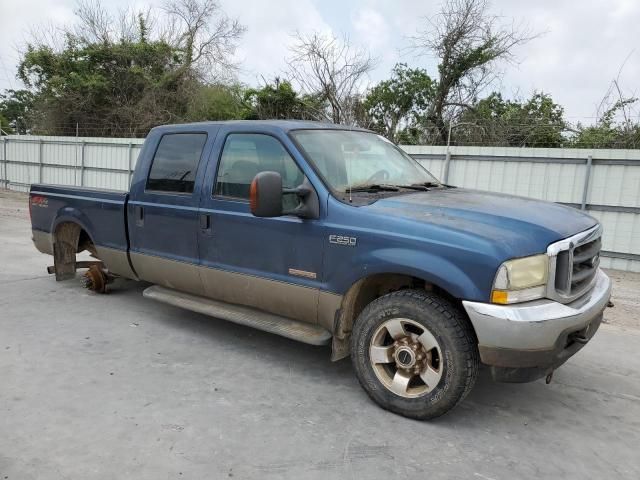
pixel 219 163
pixel 153 158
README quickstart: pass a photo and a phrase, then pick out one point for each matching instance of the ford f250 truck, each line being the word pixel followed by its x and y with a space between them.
pixel 328 234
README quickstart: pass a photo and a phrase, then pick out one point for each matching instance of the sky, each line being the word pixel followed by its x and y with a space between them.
pixel 583 45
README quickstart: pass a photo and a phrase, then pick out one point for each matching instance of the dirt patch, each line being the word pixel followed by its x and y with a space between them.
pixel 626 299
pixel 14 204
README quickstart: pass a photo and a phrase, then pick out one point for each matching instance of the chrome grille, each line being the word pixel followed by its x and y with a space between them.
pixel 573 264
pixel 586 260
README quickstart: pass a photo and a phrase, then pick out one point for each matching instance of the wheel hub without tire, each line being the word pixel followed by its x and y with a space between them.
pixel 406 357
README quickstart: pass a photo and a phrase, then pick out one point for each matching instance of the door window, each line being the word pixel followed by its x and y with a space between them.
pixel 245 155
pixel 176 162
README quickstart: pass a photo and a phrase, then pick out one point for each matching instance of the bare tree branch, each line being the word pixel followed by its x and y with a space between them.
pixel 96 24
pixel 332 68
pixel 469 41
pixel 206 36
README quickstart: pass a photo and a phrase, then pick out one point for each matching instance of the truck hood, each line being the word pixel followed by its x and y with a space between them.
pixel 522 226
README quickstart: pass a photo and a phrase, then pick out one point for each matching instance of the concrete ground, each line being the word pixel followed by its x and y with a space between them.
pixel 117 386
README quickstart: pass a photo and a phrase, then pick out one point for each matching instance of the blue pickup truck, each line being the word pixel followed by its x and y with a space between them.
pixel 329 234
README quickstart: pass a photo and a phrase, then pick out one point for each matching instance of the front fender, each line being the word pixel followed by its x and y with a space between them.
pixel 434 269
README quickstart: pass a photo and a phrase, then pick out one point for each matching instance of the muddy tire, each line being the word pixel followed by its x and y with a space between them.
pixel 414 353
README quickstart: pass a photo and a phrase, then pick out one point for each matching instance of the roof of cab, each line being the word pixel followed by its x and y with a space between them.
pixel 284 125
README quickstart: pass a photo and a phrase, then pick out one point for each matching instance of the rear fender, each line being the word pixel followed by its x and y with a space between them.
pixel 72 215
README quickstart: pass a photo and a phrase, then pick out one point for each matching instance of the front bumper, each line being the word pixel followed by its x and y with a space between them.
pixel 527 341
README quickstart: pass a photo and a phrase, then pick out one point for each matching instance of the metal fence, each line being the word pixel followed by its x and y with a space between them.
pixel 81 161
pixel 605 183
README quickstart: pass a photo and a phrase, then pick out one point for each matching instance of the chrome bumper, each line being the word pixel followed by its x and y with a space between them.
pixel 537 333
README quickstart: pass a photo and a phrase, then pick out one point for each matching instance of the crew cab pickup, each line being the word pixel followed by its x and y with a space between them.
pixel 329 234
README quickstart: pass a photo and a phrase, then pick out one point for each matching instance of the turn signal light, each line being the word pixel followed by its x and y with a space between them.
pixel 499 296
pixel 253 196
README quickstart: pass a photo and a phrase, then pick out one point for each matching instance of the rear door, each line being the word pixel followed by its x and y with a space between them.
pixel 163 210
pixel 273 264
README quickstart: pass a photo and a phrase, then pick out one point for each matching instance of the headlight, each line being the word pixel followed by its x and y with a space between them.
pixel 521 279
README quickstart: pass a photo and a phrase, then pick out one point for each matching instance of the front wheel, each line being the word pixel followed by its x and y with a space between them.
pixel 414 353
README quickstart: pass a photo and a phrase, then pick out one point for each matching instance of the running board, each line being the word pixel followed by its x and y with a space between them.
pixel 303 332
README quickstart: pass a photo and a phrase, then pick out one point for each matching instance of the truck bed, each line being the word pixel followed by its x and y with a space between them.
pixel 100 212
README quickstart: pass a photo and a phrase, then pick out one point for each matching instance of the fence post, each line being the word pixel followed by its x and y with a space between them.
pixel 40 142
pixel 5 176
pixel 447 161
pixel 587 177
pixel 130 148
pixel 82 163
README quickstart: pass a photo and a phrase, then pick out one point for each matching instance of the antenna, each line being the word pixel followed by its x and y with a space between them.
pixel 350 201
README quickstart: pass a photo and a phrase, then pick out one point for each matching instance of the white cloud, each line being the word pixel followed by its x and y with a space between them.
pixel 16 20
pixel 270 26
pixel 372 31
pixel 371 28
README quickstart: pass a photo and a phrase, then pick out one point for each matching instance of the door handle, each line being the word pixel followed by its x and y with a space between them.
pixel 205 222
pixel 139 214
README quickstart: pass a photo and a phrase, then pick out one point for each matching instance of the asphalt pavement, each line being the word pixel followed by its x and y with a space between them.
pixel 117 386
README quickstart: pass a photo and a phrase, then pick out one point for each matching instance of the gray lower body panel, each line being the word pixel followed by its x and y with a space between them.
pixel 168 273
pixel 116 261
pixel 42 241
pixel 284 299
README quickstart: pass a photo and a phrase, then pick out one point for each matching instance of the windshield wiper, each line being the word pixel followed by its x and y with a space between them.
pixel 414 186
pixel 374 187
pixel 428 184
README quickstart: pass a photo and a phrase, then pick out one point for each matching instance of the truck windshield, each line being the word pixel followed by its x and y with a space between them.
pixel 361 161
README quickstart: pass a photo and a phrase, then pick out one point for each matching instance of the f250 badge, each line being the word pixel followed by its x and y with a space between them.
pixel 342 240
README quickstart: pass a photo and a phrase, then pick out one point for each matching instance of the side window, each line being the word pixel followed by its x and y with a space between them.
pixel 175 163
pixel 247 154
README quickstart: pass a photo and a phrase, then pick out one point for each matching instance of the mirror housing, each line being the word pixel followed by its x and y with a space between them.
pixel 265 195
pixel 266 192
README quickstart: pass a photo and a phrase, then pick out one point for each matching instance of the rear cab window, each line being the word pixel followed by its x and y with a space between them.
pixel 175 163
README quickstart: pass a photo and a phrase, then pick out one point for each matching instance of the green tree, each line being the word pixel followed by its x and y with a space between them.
pixel 469 42
pixel 4 125
pixel 273 100
pixel 16 110
pixel 280 100
pixel 216 102
pixel 395 107
pixel 121 79
pixel 535 122
pixel 608 132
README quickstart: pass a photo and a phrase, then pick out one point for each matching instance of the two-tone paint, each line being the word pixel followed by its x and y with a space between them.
pixel 212 246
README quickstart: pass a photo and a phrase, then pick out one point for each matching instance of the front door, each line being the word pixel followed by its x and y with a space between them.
pixel 273 264
pixel 163 213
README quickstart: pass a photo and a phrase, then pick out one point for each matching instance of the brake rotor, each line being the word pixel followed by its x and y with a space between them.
pixel 94 279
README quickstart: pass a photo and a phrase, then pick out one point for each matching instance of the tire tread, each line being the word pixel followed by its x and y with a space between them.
pixel 452 319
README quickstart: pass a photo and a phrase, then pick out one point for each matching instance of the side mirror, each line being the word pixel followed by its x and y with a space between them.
pixel 266 192
pixel 265 195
